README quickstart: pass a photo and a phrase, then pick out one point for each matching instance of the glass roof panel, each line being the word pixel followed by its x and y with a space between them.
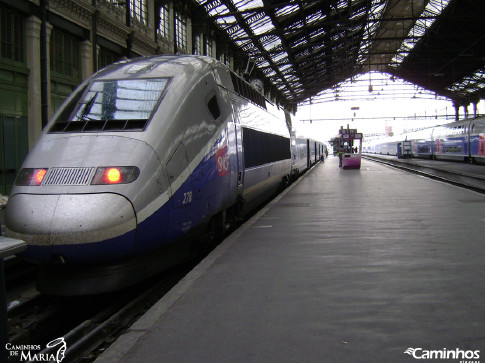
pixel 272 44
pixel 248 4
pixel 314 17
pixel 287 10
pixel 221 9
pixel 432 10
pixel 226 21
pixel 262 25
pixel 306 45
pixel 470 84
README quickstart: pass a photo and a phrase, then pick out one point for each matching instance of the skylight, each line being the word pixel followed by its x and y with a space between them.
pixel 305 46
pixel 430 14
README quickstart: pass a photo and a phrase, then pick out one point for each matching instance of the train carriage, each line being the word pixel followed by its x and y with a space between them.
pixel 143 156
pixel 459 141
pixel 477 140
pixel 451 141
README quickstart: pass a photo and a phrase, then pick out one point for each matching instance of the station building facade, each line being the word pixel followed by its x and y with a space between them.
pixel 49 46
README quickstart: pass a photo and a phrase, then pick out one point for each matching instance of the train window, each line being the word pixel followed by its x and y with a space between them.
pixel 94 126
pixel 113 105
pixel 262 148
pixel 115 125
pixel 213 107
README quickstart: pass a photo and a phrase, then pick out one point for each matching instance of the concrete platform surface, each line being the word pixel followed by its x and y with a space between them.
pixel 345 266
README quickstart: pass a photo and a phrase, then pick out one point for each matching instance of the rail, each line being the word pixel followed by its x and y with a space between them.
pixel 8 247
pixel 460 179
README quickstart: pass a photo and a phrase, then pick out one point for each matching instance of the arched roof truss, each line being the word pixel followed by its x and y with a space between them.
pixel 306 47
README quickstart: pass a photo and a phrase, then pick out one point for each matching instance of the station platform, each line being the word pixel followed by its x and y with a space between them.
pixel 343 266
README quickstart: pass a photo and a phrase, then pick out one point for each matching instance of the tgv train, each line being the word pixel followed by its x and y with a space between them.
pixel 142 157
pixel 461 141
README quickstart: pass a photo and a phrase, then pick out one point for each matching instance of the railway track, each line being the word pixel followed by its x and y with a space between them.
pixel 87 324
pixel 458 178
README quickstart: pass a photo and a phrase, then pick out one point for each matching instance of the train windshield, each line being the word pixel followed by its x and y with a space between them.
pixel 120 99
pixel 113 105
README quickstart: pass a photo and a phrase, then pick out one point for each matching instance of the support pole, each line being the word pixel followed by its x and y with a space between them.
pixel 129 40
pixel 43 64
pixel 94 37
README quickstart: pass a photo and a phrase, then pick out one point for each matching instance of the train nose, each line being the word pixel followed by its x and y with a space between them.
pixel 71 220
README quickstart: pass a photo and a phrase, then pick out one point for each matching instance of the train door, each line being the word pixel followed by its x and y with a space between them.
pixel 180 178
pixel 294 153
pixel 239 150
pixel 477 138
pixel 308 160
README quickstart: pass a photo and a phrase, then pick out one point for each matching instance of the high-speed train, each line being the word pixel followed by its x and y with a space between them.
pixel 144 156
pixel 461 141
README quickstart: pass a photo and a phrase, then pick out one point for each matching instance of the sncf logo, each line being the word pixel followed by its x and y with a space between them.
pixel 222 160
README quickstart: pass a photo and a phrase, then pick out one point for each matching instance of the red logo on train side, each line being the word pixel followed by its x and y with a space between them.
pixel 222 161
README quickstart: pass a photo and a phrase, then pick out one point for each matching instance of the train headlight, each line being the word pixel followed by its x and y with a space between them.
pixel 115 175
pixel 30 177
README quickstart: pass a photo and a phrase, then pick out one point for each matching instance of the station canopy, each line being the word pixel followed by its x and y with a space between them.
pixel 305 47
